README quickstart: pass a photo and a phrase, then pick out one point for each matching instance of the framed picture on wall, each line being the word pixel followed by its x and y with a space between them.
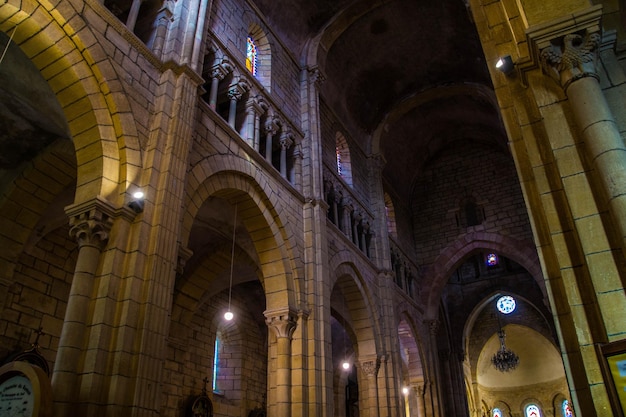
pixel 614 371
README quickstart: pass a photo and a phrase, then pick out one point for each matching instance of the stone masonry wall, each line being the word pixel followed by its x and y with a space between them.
pixel 489 176
pixel 38 296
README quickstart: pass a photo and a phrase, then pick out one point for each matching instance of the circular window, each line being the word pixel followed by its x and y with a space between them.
pixel 506 304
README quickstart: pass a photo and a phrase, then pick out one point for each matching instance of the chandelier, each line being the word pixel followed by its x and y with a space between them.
pixel 504 359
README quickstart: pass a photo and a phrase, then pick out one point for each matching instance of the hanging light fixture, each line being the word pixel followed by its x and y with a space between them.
pixel 346 363
pixel 504 359
pixel 229 314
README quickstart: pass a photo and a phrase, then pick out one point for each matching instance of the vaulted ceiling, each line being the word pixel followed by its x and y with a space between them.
pixel 407 78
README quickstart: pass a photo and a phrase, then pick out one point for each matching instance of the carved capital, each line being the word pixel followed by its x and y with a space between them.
pixel 286 139
pixel 316 76
pixel 90 222
pixel 272 125
pixel 572 57
pixel 219 72
pixel 237 90
pixel 370 367
pixel 283 322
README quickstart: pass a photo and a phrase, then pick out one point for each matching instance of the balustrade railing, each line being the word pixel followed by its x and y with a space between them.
pixel 240 99
pixel 405 272
pixel 346 212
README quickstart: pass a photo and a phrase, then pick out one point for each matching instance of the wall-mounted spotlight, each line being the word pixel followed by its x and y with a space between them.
pixel 136 203
pixel 505 64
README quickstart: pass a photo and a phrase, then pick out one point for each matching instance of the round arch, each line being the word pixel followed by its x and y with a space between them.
pixel 258 211
pixel 522 252
pixel 83 92
pixel 359 307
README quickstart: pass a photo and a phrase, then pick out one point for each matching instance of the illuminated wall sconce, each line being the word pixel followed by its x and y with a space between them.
pixel 136 203
pixel 405 390
pixel 505 64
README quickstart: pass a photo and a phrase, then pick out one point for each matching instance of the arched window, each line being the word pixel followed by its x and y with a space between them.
pixel 259 55
pixel 251 56
pixel 342 152
pixel 567 409
pixel 532 410
pixel 496 412
pixel 390 213
pixel 216 360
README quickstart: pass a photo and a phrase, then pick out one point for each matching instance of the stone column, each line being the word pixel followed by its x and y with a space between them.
pixel 218 73
pixel 90 225
pixel 286 140
pixel 574 67
pixel 297 166
pixel 133 14
pixel 250 129
pixel 347 215
pixel 356 217
pixel 261 107
pixel 160 34
pixel 283 323
pixel 271 127
pixel 433 327
pixel 338 196
pixel 370 369
pixel 235 93
pixel 420 406
pixel 363 243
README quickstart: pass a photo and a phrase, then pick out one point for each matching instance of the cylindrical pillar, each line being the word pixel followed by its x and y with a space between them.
pixel 283 324
pixel 131 21
pixel 91 230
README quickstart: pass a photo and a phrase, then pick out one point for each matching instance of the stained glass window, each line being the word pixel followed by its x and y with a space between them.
pixel 506 304
pixel 567 409
pixel 496 412
pixel 532 411
pixel 251 56
pixel 216 360
pixel 342 153
pixel 339 166
pixel 492 259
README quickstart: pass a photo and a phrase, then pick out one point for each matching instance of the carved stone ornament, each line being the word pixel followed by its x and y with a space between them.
pixel 572 57
pixel 370 367
pixel 283 322
pixel 91 222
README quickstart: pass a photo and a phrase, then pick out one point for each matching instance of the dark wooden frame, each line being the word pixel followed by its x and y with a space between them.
pixel 606 352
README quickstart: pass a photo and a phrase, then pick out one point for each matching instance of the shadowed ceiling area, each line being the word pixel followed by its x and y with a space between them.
pixel 406 78
pixel 31 116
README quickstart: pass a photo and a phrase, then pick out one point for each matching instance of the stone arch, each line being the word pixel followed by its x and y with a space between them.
pixel 358 301
pixel 83 91
pixel 410 340
pixel 479 307
pixel 522 252
pixel 248 186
